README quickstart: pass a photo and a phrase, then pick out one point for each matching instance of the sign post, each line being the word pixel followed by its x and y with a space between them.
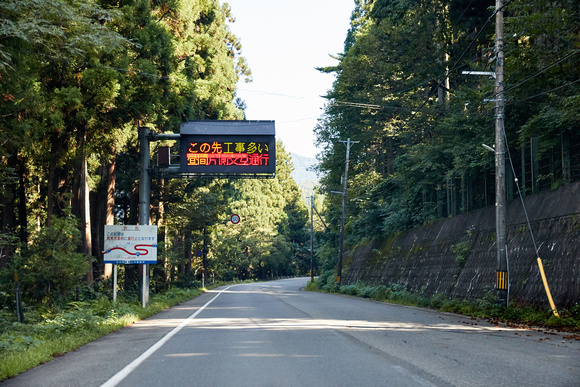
pixel 144 202
pixel 115 283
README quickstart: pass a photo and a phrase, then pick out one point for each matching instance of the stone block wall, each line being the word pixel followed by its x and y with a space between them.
pixel 457 256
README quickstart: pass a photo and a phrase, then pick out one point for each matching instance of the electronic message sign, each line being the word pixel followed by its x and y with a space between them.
pixel 228 148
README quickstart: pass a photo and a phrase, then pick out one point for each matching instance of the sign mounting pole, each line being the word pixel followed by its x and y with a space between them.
pixel 144 203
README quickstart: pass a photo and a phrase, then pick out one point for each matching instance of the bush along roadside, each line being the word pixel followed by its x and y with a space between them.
pixel 50 333
pixel 569 320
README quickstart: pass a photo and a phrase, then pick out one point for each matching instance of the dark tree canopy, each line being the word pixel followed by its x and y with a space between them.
pixel 420 122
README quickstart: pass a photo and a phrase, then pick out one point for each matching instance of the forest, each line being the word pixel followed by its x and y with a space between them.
pixel 79 77
pixel 77 80
pixel 419 121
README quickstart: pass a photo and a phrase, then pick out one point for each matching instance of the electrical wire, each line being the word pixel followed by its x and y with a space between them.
pixel 455 66
pixel 543 70
pixel 536 74
pixel 520 192
pixel 544 92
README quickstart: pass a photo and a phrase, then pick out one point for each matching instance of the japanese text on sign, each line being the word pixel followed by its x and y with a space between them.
pixel 228 153
pixel 228 148
pixel 130 244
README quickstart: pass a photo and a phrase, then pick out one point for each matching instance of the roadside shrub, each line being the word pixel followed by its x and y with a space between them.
pixel 351 290
pixel 50 269
pixel 437 301
pixel 332 287
pixel 327 282
pixel 367 291
pixel 380 292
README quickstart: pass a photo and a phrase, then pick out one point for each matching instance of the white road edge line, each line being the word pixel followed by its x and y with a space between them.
pixel 119 376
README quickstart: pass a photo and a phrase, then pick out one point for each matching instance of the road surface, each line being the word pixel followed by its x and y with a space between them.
pixel 274 334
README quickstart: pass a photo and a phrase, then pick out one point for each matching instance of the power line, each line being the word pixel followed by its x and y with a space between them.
pixel 546 92
pixel 455 66
pixel 544 70
pixel 298 120
pixel 539 72
pixel 275 94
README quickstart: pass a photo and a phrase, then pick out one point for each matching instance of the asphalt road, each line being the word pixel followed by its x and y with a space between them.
pixel 274 334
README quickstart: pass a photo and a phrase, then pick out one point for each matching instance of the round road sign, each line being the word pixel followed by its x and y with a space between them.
pixel 235 219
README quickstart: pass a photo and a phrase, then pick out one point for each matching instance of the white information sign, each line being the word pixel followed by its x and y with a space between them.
pixel 130 244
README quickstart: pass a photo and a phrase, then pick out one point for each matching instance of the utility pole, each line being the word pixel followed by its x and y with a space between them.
pixel 312 238
pixel 341 243
pixel 502 280
pixel 500 191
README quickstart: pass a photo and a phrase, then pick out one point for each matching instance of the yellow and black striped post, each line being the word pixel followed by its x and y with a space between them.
pixel 502 280
pixel 501 286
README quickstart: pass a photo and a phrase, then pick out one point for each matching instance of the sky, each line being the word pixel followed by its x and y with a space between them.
pixel 283 42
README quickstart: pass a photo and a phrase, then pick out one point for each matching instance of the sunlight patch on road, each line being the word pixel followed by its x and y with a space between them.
pixel 254 324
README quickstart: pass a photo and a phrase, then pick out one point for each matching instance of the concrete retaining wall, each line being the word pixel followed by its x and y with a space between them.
pixel 457 256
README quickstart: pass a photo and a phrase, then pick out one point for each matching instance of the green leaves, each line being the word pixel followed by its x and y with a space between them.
pixel 60 29
pixel 51 268
pixel 399 90
pixel 76 80
pixel 270 239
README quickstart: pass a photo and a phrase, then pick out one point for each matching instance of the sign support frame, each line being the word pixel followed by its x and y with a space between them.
pixel 146 172
pixel 144 204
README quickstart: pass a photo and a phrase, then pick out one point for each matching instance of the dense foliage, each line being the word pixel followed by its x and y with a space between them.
pixel 420 122
pixel 77 80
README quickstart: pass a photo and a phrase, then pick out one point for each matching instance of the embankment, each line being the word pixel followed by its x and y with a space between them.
pixel 457 256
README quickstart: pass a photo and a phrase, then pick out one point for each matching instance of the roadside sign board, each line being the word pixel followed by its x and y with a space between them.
pixel 130 244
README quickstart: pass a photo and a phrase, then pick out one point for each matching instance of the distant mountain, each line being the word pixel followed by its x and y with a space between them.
pixel 301 168
pixel 304 176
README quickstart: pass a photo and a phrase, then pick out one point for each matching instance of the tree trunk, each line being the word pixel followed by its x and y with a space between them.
pixel 205 251
pixel 132 271
pixel 106 208
pixel 390 156
pixel 50 195
pixel 57 178
pixel 7 210
pixel 162 271
pixel 80 203
pixel 188 252
pixel 22 213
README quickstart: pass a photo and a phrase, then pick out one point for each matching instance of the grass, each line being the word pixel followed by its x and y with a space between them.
pixel 52 333
pixel 487 307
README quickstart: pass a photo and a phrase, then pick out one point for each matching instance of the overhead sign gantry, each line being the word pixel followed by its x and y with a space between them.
pixel 208 148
